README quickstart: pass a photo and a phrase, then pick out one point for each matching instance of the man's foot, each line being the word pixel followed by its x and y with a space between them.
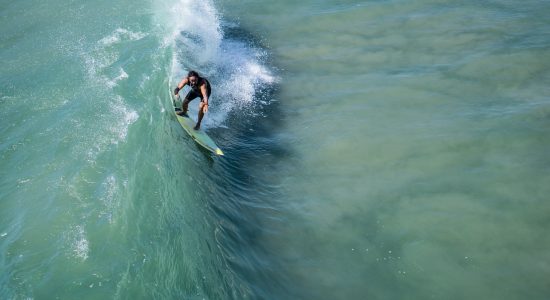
pixel 181 113
pixel 197 127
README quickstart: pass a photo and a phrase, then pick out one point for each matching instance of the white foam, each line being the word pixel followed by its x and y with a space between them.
pixel 119 116
pixel 111 129
pixel 101 58
pixel 244 75
pixel 113 82
pixel 109 198
pixel 22 181
pixel 121 34
pixel 80 244
pixel 194 18
pixel 126 117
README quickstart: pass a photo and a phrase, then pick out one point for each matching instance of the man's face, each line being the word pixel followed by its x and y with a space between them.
pixel 193 80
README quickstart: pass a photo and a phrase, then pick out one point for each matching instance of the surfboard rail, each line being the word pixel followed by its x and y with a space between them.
pixel 199 136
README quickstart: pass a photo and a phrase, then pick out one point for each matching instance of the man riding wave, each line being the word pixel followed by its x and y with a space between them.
pixel 200 87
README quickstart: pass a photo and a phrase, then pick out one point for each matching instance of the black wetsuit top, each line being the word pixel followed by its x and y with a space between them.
pixel 196 90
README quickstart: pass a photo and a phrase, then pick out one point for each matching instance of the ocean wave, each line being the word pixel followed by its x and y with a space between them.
pixel 112 115
pixel 235 67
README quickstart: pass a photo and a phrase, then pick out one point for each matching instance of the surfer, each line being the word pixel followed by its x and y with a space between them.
pixel 200 87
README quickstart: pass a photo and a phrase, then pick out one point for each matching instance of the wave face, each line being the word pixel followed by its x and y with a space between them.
pixel 104 195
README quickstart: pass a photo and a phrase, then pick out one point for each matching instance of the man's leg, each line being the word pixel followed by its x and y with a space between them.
pixel 185 103
pixel 185 106
pixel 201 115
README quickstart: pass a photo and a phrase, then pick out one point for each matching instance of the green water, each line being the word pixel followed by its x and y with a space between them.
pixel 374 150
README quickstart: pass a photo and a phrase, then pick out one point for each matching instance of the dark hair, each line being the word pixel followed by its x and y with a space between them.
pixel 193 73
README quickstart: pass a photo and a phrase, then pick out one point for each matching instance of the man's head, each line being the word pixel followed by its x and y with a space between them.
pixel 193 78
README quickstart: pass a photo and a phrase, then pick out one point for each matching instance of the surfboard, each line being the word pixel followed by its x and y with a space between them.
pixel 200 135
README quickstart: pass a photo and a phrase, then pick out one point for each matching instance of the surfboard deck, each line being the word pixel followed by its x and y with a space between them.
pixel 200 135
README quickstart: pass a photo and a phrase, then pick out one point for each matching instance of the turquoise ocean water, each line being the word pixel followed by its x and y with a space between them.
pixel 374 150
